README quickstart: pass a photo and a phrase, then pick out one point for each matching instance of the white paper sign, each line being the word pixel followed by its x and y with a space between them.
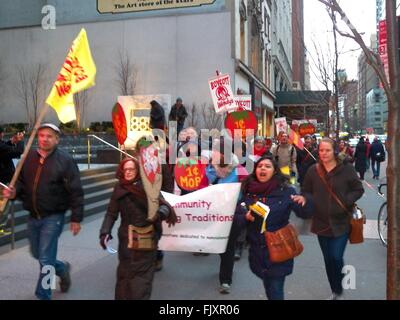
pixel 281 125
pixel 221 93
pixel 204 219
pixel 243 102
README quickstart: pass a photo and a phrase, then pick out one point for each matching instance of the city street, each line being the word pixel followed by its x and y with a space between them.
pixel 188 277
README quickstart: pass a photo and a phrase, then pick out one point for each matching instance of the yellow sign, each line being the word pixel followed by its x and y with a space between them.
pixel 119 6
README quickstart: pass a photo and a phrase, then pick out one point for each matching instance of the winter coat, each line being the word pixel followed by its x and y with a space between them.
pixel 178 114
pixel 8 151
pixel 330 219
pixel 51 187
pixel 304 161
pixel 285 155
pixel 136 268
pixel 376 147
pixel 360 157
pixel 281 205
pixel 157 116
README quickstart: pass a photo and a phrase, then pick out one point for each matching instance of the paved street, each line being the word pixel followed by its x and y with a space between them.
pixel 187 277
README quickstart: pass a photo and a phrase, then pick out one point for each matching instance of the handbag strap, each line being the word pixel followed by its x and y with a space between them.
pixel 321 175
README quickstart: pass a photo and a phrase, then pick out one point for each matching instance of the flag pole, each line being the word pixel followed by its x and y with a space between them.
pixel 23 156
pixel 310 153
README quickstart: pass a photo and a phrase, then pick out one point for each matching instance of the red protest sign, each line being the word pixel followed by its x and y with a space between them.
pixel 241 120
pixel 189 172
pixel 119 123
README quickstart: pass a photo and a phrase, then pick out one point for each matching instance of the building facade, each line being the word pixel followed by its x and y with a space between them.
pixel 377 108
pixel 174 51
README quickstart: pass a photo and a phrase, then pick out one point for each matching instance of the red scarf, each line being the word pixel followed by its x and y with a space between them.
pixel 266 188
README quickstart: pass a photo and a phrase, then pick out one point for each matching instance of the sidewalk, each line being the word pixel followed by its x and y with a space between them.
pixel 186 277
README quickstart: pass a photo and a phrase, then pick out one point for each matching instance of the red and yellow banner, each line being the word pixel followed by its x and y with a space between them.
pixel 77 73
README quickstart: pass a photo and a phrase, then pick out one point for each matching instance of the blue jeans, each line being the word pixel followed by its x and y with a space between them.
pixel 375 171
pixel 333 252
pixel 274 287
pixel 43 239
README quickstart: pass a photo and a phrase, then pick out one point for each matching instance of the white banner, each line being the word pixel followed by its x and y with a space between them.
pixel 204 219
pixel 221 93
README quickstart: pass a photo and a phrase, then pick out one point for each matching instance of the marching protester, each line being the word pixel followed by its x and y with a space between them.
pixel 49 185
pixel 178 113
pixel 9 150
pixel 225 168
pixel 377 155
pixel 345 152
pixel 360 158
pixel 285 153
pixel 138 238
pixel 328 180
pixel 305 159
pixel 270 187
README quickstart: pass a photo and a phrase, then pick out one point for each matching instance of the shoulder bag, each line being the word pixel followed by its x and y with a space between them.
pixel 283 244
pixel 357 220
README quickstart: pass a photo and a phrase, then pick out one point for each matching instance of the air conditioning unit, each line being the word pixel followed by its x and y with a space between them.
pixel 296 85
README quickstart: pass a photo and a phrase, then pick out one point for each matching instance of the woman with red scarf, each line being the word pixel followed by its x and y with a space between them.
pixel 267 185
pixel 136 267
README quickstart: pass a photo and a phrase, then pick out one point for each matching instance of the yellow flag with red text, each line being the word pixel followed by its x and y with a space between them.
pixel 77 73
pixel 295 139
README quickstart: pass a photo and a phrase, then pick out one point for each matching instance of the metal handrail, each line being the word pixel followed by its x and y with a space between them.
pixel 107 143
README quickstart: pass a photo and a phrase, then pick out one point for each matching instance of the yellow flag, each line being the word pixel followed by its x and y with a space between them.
pixel 77 73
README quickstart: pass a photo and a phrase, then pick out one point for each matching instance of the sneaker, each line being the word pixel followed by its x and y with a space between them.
pixel 159 265
pixel 224 288
pixel 335 296
pixel 65 280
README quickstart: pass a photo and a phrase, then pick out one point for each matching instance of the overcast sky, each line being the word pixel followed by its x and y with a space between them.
pixel 318 26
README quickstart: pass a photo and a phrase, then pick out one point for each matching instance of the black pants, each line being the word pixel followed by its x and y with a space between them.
pixel 228 257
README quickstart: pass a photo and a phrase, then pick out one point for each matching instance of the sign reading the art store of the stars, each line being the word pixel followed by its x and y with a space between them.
pixel 118 6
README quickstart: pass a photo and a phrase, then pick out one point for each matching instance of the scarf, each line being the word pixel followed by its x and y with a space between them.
pixel 266 188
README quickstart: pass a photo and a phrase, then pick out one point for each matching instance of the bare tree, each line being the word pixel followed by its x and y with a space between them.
pixel 22 92
pixel 392 90
pixel 30 90
pixel 194 117
pixel 36 83
pixel 212 120
pixel 81 101
pixel 126 74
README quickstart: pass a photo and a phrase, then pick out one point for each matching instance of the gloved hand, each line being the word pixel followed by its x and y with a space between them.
pixel 104 238
pixel 168 215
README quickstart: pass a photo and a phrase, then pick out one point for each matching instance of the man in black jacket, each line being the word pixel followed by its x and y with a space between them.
pixel 377 155
pixel 178 113
pixel 49 185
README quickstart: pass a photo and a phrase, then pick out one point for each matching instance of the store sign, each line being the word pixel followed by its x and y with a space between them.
pixel 382 48
pixel 119 6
